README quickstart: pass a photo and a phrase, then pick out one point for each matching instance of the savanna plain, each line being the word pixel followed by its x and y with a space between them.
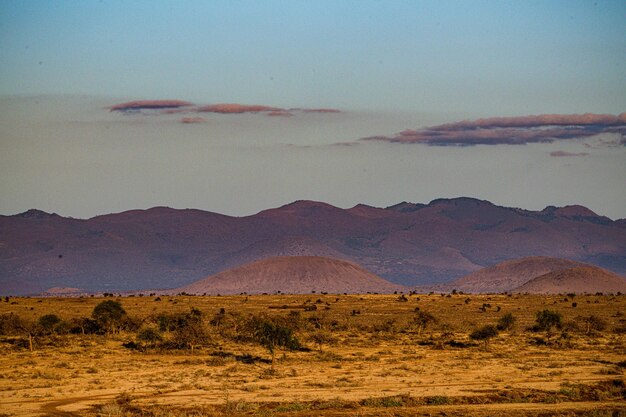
pixel 312 355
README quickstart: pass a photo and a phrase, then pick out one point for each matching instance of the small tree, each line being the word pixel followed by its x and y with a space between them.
pixel 548 319
pixel 218 318
pixel 12 324
pixel 485 333
pixel 423 319
pixel 506 322
pixel 271 335
pixel 322 337
pixel 190 330
pixel 592 323
pixel 109 314
pixel 84 325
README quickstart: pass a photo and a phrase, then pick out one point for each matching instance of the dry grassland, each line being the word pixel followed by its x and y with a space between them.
pixel 373 361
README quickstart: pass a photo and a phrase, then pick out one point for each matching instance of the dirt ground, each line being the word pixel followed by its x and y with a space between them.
pixel 377 363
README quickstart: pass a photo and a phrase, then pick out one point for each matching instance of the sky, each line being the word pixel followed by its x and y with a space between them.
pixel 393 69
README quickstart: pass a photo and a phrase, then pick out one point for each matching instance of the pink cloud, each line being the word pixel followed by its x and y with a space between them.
pixel 189 120
pixel 565 153
pixel 233 108
pixel 537 121
pixel 512 130
pixel 322 111
pixel 149 105
pixel 278 113
pixel 179 106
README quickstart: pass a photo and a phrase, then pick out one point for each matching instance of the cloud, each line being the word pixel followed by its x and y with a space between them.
pixel 190 120
pixel 283 113
pixel 565 153
pixel 512 130
pixel 179 106
pixel 233 108
pixel 321 111
pixel 138 105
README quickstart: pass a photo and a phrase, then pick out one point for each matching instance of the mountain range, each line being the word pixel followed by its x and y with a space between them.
pixel 408 243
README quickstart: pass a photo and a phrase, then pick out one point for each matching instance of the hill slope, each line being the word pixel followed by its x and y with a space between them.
pixel 582 279
pixel 293 275
pixel 508 275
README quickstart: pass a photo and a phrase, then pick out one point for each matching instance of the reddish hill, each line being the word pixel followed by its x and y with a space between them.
pixel 583 279
pixel 508 275
pixel 293 275
pixel 410 244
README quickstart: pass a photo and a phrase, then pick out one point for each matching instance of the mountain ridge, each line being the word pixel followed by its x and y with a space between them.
pixel 408 243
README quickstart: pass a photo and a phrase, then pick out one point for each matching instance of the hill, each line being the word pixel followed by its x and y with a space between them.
pixel 409 244
pixel 509 275
pixel 579 280
pixel 293 275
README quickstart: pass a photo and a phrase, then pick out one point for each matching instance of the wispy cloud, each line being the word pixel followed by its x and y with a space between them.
pixel 565 153
pixel 512 130
pixel 191 120
pixel 139 105
pixel 178 106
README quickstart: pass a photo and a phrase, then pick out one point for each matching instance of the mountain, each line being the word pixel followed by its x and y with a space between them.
pixel 509 275
pixel 409 244
pixel 582 279
pixel 293 275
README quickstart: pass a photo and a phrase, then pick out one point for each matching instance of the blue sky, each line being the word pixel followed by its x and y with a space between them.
pixel 480 57
pixel 387 65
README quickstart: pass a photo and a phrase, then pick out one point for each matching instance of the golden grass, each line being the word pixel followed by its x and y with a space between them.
pixel 375 365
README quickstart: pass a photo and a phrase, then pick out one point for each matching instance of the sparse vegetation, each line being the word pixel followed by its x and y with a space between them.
pixel 546 320
pixel 506 322
pixel 347 362
pixel 422 320
pixel 109 315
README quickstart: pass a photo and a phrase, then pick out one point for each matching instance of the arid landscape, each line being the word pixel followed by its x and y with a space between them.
pixel 354 355
pixel 279 208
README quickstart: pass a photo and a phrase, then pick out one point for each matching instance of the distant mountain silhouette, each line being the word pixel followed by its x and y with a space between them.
pixel 293 275
pixel 409 244
pixel 582 279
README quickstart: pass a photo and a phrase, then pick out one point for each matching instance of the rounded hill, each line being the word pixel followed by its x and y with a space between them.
pixel 579 280
pixel 293 275
pixel 511 274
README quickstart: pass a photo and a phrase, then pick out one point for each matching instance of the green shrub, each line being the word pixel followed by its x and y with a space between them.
pixel 48 322
pixel 484 333
pixel 506 322
pixel 547 319
pixel 149 336
pixel 109 314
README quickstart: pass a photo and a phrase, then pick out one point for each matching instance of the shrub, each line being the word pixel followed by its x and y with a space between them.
pixel 149 336
pixel 547 319
pixel 322 337
pixel 592 323
pixel 84 325
pixel 190 331
pixel 506 322
pixel 484 333
pixel 423 319
pixel 109 314
pixel 272 335
pixel 10 324
pixel 48 322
